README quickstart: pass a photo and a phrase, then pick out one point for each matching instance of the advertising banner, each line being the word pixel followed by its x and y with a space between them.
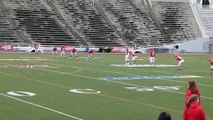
pixel 116 49
pixel 68 48
pixel 6 47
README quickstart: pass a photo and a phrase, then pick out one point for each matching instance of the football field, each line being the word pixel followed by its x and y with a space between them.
pixel 45 87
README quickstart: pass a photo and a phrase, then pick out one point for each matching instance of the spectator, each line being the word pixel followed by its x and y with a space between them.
pixel 192 89
pixel 193 110
pixel 164 116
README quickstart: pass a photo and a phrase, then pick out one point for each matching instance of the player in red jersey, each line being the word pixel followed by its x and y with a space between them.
pixel 90 54
pixel 62 54
pixel 152 54
pixel 133 57
pixel 127 56
pixel 180 62
pixel 74 52
pixel 211 62
pixel 54 50
pixel 36 47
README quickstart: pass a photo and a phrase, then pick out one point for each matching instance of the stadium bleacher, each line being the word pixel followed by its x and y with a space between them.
pixel 177 20
pixel 40 23
pixel 134 23
pixel 85 19
pixel 98 22
pixel 7 32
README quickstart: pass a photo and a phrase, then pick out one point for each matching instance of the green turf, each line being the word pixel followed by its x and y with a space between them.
pixel 54 101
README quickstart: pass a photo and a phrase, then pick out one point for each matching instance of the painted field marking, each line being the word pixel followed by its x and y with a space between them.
pixel 40 106
pixel 123 99
pixel 123 83
pixel 26 59
pixel 143 65
pixel 21 93
pixel 85 91
pixel 115 73
pixel 147 77
pixel 104 95
pixel 136 75
pixel 118 81
pixel 132 74
pixel 183 81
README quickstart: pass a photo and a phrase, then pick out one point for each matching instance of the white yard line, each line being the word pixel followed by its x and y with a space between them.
pixel 40 106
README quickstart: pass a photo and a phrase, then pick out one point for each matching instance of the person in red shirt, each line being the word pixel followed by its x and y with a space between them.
pixel 133 57
pixel 54 50
pixel 211 62
pixel 127 56
pixel 180 62
pixel 62 54
pixel 36 46
pixel 74 52
pixel 193 110
pixel 192 89
pixel 90 54
pixel 152 54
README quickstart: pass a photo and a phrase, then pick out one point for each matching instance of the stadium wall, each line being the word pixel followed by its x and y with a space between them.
pixel 194 46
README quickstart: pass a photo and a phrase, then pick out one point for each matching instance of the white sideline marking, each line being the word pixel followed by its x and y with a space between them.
pixel 46 108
